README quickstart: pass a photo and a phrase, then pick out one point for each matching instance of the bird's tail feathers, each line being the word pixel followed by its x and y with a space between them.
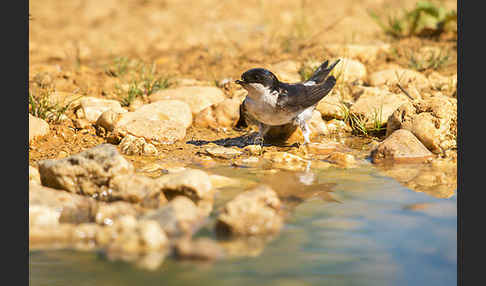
pixel 322 72
pixel 319 91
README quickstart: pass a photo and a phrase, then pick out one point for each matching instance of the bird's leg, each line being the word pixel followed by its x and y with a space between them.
pixel 262 130
pixel 307 166
pixel 306 133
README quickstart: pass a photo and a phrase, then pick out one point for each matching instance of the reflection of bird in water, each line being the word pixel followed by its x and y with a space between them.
pixel 293 188
pixel 307 177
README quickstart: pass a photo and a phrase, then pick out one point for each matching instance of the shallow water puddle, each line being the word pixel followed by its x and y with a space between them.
pixel 343 227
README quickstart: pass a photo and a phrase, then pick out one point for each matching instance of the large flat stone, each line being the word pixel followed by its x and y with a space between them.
pixel 197 97
pixel 164 121
pixel 88 172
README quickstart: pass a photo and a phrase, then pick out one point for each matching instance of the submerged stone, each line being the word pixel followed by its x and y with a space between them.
pixel 127 235
pixel 180 217
pixel 246 246
pixel 437 178
pixel 253 212
pixel 286 161
pixel 192 183
pixel 198 249
pixel 108 213
pixel 135 188
pixel 323 148
pixel 342 159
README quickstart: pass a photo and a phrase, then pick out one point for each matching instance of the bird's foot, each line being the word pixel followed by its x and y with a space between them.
pixel 258 140
pixel 304 148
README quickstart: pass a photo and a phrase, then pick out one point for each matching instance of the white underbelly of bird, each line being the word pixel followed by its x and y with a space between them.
pixel 267 113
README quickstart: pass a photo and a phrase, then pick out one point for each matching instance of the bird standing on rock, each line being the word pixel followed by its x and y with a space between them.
pixel 271 102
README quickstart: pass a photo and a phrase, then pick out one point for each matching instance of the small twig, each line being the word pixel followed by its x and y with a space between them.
pixel 404 91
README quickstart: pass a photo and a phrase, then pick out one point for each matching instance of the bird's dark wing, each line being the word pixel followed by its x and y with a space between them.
pixel 295 97
pixel 321 72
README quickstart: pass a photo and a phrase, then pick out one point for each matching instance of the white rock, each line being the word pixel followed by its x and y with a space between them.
pixel 440 82
pixel 350 70
pixel 393 76
pixel 108 119
pixel 197 97
pixel 34 176
pixel 162 122
pixel 92 107
pixel 287 71
pixel 37 127
pixel 164 110
pixel 331 105
pixel 131 145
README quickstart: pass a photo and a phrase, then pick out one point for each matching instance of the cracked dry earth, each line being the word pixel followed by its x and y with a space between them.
pixel 167 176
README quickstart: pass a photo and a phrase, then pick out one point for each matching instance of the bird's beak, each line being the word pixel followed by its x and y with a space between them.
pixel 240 82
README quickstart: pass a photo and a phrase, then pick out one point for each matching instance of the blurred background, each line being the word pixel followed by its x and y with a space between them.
pixel 207 39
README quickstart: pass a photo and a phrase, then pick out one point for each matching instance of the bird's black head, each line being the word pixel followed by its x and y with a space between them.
pixel 258 75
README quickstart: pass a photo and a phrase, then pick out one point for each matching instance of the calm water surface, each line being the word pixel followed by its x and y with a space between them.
pixel 349 227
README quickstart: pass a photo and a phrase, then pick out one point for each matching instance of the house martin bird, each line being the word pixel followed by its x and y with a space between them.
pixel 271 102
